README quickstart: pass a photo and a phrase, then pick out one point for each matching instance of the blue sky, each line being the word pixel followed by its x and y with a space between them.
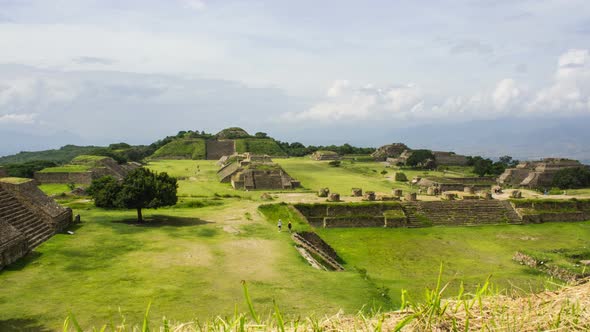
pixel 107 71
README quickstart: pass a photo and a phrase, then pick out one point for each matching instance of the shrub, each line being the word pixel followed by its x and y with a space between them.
pixel 401 177
pixel 334 163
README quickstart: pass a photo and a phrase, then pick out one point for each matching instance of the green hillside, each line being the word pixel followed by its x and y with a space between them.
pixel 185 148
pixel 259 146
pixel 60 156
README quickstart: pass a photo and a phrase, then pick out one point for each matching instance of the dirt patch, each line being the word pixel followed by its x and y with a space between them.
pixel 263 252
pixel 231 229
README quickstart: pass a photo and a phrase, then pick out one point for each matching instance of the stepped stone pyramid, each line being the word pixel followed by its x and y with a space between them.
pixel 27 218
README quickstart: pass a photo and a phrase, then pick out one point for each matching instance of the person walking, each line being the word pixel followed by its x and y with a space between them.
pixel 289 226
pixel 280 224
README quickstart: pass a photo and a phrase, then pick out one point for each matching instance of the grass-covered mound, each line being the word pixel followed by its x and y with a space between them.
pixel 259 146
pixel 61 155
pixel 66 169
pixel 184 148
pixel 88 160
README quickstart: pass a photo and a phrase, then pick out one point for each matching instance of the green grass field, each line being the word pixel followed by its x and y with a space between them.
pixel 189 260
pixel 366 175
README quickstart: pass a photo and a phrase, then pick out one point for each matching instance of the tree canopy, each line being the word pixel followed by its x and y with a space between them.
pixel 140 189
pixel 572 178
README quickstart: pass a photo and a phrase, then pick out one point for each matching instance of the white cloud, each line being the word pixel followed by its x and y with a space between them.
pixel 194 4
pixel 506 92
pixel 347 103
pixel 338 88
pixel 18 118
pixel 569 93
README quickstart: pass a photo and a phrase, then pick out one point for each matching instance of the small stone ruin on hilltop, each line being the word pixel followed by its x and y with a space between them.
pixel 535 174
pixel 27 218
pixel 389 151
pixel 325 155
pixel 248 171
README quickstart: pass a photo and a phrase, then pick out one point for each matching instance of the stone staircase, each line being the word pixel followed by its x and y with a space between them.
pixel 217 149
pixel 469 212
pixel 313 249
pixel 35 230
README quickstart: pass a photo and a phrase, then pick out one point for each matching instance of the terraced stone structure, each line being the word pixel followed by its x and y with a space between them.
pixel 535 174
pixel 325 155
pixel 250 172
pixel 389 151
pixel 411 213
pixel 27 218
pixel 443 158
pixel 83 169
pixel 456 184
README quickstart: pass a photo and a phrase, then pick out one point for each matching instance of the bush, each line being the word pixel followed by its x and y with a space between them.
pixel 334 163
pixel 401 177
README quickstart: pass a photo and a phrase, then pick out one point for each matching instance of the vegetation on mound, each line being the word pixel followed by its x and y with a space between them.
pixel 232 133
pixel 88 160
pixel 185 148
pixel 259 146
pixel 572 178
pixel 67 169
pixel 27 169
pixel 14 180
pixel 61 155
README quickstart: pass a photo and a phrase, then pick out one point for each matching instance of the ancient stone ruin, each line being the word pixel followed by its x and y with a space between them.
pixel 357 192
pixel 325 155
pixel 443 158
pixel 217 148
pixel 334 197
pixel 27 218
pixel 455 184
pixel 323 192
pixel 389 151
pixel 247 171
pixel 83 169
pixel 401 159
pixel 535 174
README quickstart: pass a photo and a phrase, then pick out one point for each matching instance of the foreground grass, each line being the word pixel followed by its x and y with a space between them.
pixel 485 310
pixel 188 262
pixel 397 259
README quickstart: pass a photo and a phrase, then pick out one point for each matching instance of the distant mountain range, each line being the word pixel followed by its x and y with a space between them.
pixel 520 138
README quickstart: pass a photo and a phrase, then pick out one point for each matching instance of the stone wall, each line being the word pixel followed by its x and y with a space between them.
pixel 349 215
pixel 468 212
pixel 13 244
pixel 27 218
pixel 63 177
pixel 43 206
pixel 219 148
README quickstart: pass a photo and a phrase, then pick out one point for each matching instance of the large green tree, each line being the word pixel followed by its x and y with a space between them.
pixel 140 189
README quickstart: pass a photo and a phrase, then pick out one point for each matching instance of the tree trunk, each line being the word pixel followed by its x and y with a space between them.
pixel 139 217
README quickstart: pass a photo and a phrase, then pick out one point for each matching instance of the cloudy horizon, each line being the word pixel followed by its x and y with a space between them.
pixel 98 72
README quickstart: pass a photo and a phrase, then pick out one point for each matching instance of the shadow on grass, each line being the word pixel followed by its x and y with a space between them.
pixel 22 324
pixel 20 264
pixel 164 220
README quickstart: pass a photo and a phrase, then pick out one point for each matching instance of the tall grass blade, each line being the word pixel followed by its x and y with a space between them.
pixel 249 302
pixel 145 327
